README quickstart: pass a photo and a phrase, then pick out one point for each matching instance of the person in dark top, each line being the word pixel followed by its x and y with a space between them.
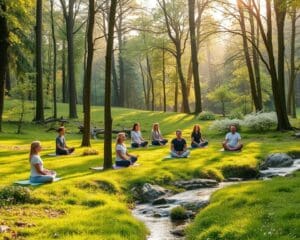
pixel 178 146
pixel 197 139
pixel 60 142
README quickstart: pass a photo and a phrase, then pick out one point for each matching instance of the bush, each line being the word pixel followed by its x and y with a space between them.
pixel 90 151
pixel 259 122
pixel 222 126
pixel 178 213
pixel 206 116
pixel 244 171
pixel 15 195
pixel 236 115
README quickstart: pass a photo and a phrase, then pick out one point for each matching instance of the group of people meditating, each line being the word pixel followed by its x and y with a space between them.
pixel 179 149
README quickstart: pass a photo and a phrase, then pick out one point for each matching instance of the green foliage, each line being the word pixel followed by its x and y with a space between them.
pixel 178 213
pixel 236 114
pixel 12 195
pixel 206 115
pixel 222 126
pixel 260 122
pixel 240 171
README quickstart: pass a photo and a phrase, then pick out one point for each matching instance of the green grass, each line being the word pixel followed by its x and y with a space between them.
pixel 95 205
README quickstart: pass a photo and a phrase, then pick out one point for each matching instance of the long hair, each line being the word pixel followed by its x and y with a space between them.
pixel 195 127
pixel 134 125
pixel 118 140
pixel 34 145
pixel 153 127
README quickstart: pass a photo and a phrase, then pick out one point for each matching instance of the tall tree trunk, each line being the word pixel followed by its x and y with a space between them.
pixel 63 68
pixel 39 115
pixel 291 104
pixel 54 61
pixel 121 66
pixel 185 100
pixel 195 65
pixel 189 77
pixel 151 82
pixel 107 105
pixel 69 18
pixel 176 95
pixel 164 81
pixel 7 81
pixel 144 86
pixel 248 58
pixel 256 67
pixel 116 95
pixel 4 44
pixel 88 77
pixel 280 13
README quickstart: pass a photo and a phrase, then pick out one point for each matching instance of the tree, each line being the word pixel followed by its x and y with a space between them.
pixel 69 16
pixel 39 115
pixel 54 59
pixel 4 44
pixel 107 105
pixel 88 76
pixel 195 65
pixel 175 23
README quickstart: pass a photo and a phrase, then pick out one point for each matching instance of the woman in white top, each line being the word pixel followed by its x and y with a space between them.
pixel 157 138
pixel 123 158
pixel 38 174
pixel 136 137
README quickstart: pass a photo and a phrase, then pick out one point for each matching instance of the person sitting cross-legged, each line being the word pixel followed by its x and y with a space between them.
pixel 232 140
pixel 178 146
pixel 136 137
pixel 157 138
pixel 61 146
pixel 39 174
pixel 123 158
pixel 197 139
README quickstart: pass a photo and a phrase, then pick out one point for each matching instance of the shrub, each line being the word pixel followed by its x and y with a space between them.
pixel 244 171
pixel 206 115
pixel 236 115
pixel 259 122
pixel 178 213
pixel 222 126
pixel 15 195
pixel 90 151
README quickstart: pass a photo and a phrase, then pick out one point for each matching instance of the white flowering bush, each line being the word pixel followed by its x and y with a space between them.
pixel 259 122
pixel 206 115
pixel 222 126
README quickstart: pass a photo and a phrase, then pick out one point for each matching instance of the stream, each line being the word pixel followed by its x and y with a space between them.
pixel 157 217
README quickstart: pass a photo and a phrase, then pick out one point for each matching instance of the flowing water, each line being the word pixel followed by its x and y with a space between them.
pixel 157 218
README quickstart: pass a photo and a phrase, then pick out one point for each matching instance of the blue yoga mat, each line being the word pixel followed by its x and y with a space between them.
pixel 27 182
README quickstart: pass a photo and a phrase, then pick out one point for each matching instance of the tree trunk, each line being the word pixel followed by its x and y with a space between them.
pixel 291 105
pixel 116 95
pixel 39 115
pixel 151 82
pixel 144 86
pixel 195 65
pixel 121 66
pixel 248 59
pixel 107 105
pixel 7 81
pixel 64 79
pixel 164 81
pixel 176 95
pixel 256 60
pixel 185 100
pixel 4 44
pixel 54 64
pixel 280 13
pixel 88 77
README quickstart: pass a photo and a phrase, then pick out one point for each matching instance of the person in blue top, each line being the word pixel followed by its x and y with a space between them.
pixel 232 140
pixel 179 147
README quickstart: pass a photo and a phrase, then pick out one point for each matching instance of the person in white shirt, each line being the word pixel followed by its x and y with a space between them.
pixel 157 138
pixel 123 158
pixel 136 137
pixel 232 140
pixel 39 174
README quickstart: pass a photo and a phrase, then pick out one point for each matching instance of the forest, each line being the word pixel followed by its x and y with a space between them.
pixel 107 64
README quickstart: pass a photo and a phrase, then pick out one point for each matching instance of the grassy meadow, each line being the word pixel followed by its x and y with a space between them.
pixel 96 205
